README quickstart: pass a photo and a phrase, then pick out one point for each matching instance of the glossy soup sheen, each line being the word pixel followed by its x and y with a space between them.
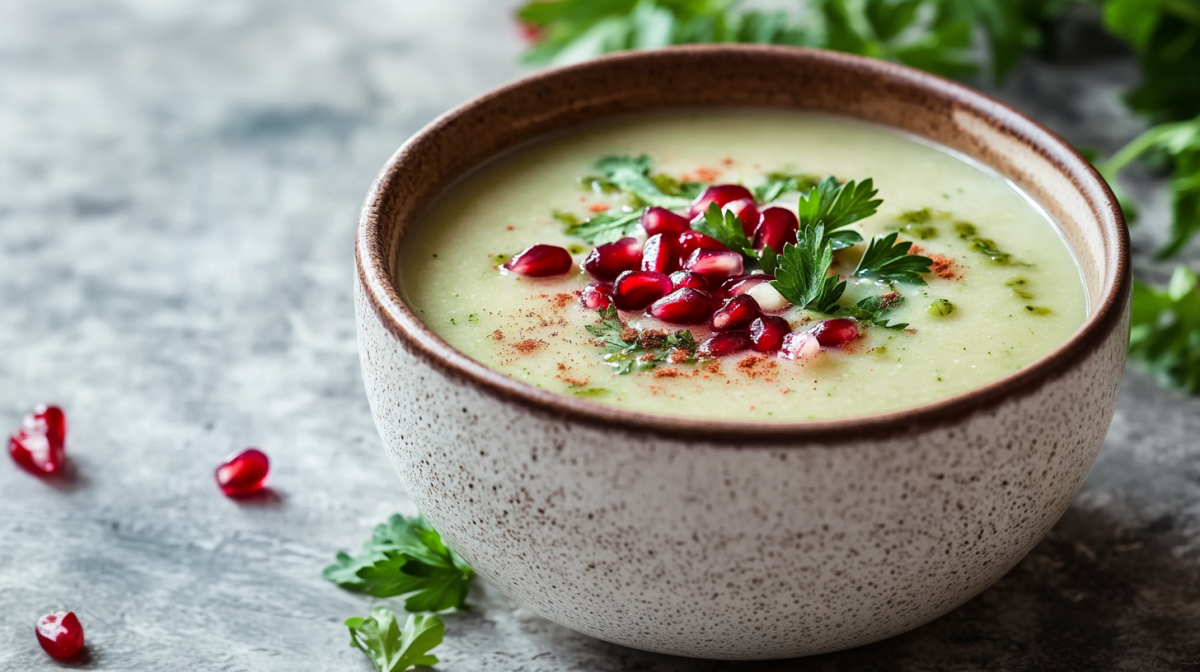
pixel 1006 315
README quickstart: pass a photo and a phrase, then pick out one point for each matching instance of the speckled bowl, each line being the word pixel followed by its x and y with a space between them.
pixel 723 539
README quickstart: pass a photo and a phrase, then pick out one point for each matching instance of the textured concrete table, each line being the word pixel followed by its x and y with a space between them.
pixel 179 183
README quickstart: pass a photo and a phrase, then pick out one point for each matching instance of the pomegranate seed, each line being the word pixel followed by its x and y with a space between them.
pixel 742 284
pixel 243 473
pixel 39 444
pixel 690 241
pixel 836 332
pixel 736 314
pixel 715 265
pixel 767 333
pixel 60 634
pixel 721 194
pixel 684 306
pixel 800 345
pixel 596 296
pixel 612 259
pixel 681 279
pixel 660 220
pixel 777 227
pixel 747 211
pixel 540 261
pixel 634 290
pixel 660 254
pixel 725 344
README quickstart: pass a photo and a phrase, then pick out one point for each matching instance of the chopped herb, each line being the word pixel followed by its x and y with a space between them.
pixel 1165 336
pixel 802 274
pixel 922 216
pixel 605 228
pixel 629 350
pixel 566 218
pixel 589 392
pixel 673 187
pixel 1038 310
pixel 576 249
pixel 632 175
pixel 889 261
pixel 499 259
pixel 988 248
pixel 392 648
pixel 405 556
pixel 874 310
pixel 599 185
pixel 940 308
pixel 965 230
pixel 1018 286
pixel 778 184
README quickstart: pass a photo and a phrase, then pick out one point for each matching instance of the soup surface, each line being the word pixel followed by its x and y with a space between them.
pixel 997 290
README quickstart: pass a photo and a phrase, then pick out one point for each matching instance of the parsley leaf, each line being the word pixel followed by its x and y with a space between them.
pixel 802 275
pixel 726 228
pixel 602 228
pixel 1165 35
pixel 887 260
pixel 778 184
pixel 392 648
pixel 1180 143
pixel 874 310
pixel 922 33
pixel 836 206
pixel 405 556
pixel 1165 333
pixel 632 175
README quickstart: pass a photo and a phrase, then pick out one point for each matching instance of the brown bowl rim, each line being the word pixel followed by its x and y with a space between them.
pixel 373 265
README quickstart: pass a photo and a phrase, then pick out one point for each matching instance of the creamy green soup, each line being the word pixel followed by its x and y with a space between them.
pixel 1003 289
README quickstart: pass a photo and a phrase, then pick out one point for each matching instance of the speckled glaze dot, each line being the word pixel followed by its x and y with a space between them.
pixel 737 540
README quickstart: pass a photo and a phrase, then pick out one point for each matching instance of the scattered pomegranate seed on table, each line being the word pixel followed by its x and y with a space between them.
pixel 684 306
pixel 540 261
pixel 609 260
pixel 60 634
pixel 243 473
pixel 39 444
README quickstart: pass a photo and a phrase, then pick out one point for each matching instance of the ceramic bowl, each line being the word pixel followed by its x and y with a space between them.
pixel 723 539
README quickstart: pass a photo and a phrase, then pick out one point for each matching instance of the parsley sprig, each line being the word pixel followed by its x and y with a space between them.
pixel 778 184
pixel 874 310
pixel 1165 334
pixel 726 228
pixel 889 261
pixel 836 206
pixel 405 556
pixel 392 647
pixel 630 350
pixel 802 275
pixel 603 228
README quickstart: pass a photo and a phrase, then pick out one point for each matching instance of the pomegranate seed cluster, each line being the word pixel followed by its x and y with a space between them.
pixel 683 277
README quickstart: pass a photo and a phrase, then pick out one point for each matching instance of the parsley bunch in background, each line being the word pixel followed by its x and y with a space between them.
pixel 956 38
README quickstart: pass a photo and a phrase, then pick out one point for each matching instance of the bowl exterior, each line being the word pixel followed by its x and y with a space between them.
pixel 764 550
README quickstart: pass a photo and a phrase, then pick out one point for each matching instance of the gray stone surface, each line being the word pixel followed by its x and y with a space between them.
pixel 179 183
